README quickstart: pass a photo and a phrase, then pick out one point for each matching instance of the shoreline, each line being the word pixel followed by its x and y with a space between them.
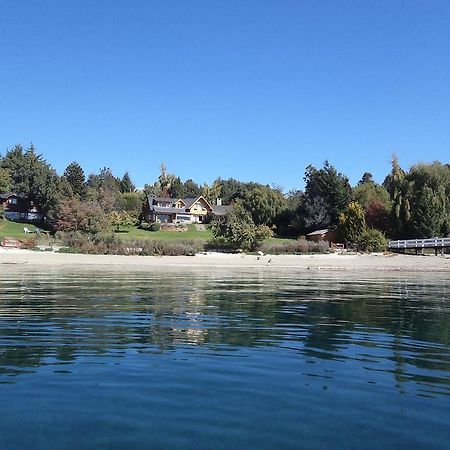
pixel 331 262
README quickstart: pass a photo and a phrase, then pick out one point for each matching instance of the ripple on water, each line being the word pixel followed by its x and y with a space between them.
pixel 224 360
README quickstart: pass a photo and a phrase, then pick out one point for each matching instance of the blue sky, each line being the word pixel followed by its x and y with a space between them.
pixel 250 89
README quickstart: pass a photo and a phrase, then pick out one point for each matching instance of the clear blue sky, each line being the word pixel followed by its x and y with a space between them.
pixel 250 89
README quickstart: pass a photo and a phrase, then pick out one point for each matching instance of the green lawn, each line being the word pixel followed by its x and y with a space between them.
pixel 15 229
pixel 192 233
pixel 135 233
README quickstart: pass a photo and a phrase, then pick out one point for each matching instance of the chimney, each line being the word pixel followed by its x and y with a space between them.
pixel 218 201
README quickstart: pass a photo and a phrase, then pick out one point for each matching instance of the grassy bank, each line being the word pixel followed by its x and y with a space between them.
pixel 15 229
pixel 133 233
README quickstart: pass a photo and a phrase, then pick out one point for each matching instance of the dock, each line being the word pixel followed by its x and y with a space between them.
pixel 438 244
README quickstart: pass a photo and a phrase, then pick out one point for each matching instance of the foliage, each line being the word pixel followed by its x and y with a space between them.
pixel 238 230
pixel 192 189
pixel 5 180
pixel 264 204
pixel 126 185
pixel 74 174
pixel 429 198
pixel 289 223
pixel 352 222
pixel 371 240
pixel 132 203
pixel 108 244
pixel 327 189
pixel 33 177
pixel 104 189
pixel 295 247
pixel 316 213
pixel 120 219
pixel 367 178
pixel 86 217
pixel 420 200
pixel 152 226
pixel 377 216
pixel 367 193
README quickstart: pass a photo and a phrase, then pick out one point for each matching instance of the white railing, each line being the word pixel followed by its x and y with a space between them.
pixel 421 243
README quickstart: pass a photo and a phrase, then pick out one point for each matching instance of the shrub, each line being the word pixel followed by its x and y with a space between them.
pixel 153 226
pixel 295 247
pixel 371 240
pixel 238 230
pixel 108 244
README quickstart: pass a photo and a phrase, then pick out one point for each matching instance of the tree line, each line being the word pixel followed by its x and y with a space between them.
pixel 412 203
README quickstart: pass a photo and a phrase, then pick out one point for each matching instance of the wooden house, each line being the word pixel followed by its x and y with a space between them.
pixel 19 208
pixel 180 210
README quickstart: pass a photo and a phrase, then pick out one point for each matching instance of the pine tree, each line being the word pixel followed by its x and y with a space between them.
pixel 126 185
pixel 74 174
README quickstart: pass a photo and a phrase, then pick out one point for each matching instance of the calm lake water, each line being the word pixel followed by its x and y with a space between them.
pixel 199 359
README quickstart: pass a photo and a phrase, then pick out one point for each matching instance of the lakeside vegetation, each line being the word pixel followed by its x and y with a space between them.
pixel 102 206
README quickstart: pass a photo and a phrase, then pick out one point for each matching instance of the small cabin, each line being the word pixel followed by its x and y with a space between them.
pixel 326 235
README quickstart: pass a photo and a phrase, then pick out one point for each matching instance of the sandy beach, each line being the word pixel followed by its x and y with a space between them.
pixel 352 262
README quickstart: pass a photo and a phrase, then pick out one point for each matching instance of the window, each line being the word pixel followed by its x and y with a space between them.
pixel 13 201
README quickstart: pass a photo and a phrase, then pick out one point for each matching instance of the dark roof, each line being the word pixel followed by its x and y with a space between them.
pixel 318 232
pixel 8 194
pixel 221 210
pixel 168 210
pixel 189 201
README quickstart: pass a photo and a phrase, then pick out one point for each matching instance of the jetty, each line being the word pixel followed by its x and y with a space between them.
pixel 418 245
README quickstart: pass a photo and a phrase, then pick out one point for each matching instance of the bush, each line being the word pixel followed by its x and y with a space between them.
pixel 295 247
pixel 371 240
pixel 238 230
pixel 110 245
pixel 153 226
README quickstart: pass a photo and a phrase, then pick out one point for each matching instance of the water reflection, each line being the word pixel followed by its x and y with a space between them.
pixel 398 326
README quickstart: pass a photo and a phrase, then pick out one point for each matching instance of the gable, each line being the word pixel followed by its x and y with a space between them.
pixel 200 205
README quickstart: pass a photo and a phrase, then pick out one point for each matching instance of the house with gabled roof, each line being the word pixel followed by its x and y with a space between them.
pixel 20 208
pixel 180 210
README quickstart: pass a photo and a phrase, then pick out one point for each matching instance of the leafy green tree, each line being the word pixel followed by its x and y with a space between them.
pixel 352 222
pixel 397 187
pixel 104 188
pixel 367 193
pixel 330 189
pixel 120 220
pixel 74 174
pixel 371 240
pixel 132 203
pixel 420 200
pixel 264 204
pixel 86 217
pixel 237 230
pixel 429 198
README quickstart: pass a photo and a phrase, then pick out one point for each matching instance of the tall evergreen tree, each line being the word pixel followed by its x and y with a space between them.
pixel 74 174
pixel 33 177
pixel 329 188
pixel 126 185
